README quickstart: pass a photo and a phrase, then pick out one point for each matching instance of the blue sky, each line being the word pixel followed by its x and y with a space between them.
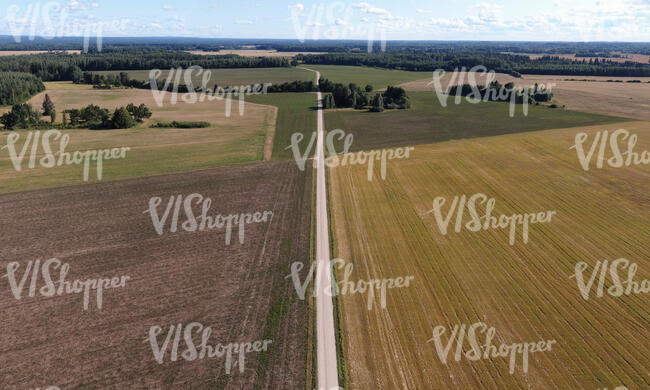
pixel 567 20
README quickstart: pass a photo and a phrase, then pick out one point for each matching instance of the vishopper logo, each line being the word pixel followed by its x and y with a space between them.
pixel 346 157
pixel 203 221
pixel 45 388
pixel 618 286
pixel 486 350
pixel 53 20
pixel 334 21
pixel 616 160
pixel 487 221
pixel 50 287
pixel 477 91
pixel 203 349
pixel 346 286
pixel 52 159
pixel 172 84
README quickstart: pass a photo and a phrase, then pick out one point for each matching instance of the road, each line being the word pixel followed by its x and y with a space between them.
pixel 326 337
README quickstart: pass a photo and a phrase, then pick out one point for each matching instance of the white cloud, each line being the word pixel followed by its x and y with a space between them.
pixel 423 11
pixel 371 9
pixel 155 25
pixel 341 22
pixel 168 7
pixel 297 7
pixel 244 22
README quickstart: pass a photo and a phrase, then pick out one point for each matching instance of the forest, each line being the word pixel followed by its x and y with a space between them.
pixel 62 67
pixel 18 87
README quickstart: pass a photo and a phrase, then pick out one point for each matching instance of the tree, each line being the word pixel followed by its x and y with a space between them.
pixel 53 115
pixel 122 119
pixel 48 106
pixel 377 103
pixel 22 116
pixel 140 112
pixel 65 119
pixel 369 88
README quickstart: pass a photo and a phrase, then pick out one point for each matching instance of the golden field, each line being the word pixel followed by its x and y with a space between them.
pixel 524 291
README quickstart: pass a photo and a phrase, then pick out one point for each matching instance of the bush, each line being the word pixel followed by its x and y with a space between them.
pixel 181 125
pixel 22 116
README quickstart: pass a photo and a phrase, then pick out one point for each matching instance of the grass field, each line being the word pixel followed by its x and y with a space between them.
pixel 296 114
pixel 385 229
pixel 230 140
pixel 100 230
pixel 428 121
pixel 235 77
pixel 363 75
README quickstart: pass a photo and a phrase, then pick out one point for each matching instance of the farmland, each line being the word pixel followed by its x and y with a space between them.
pixel 386 230
pixel 616 96
pixel 296 114
pixel 362 75
pixel 428 121
pixel 233 139
pixel 100 230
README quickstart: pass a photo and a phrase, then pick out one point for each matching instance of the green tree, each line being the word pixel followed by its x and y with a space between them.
pixel 369 88
pixel 122 119
pixel 377 103
pixel 48 106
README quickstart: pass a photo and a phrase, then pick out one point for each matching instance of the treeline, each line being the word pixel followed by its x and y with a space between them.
pixel 18 87
pixel 497 92
pixel 122 80
pixel 503 63
pixel 117 44
pixel 351 95
pixel 24 116
pixel 61 67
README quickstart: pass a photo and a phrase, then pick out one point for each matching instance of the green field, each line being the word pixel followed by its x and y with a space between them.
pixel 296 114
pixel 363 75
pixel 234 139
pixel 428 121
pixel 386 230
pixel 235 77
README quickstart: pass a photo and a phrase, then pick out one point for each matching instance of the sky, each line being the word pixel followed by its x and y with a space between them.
pixel 505 20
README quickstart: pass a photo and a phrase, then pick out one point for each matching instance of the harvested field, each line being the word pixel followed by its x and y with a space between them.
pixel 630 100
pixel 524 291
pixel 428 121
pixel 234 77
pixel 640 58
pixel 233 139
pixel 253 53
pixel 239 290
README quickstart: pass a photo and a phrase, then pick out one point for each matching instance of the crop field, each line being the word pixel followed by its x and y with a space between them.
pixel 100 230
pixel 296 114
pixel 385 229
pixel 234 77
pixel 598 96
pixel 428 121
pixel 363 75
pixel 233 139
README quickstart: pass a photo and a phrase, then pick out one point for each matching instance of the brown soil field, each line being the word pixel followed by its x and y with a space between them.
pixel 254 53
pixel 385 229
pixel 630 100
pixel 239 290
